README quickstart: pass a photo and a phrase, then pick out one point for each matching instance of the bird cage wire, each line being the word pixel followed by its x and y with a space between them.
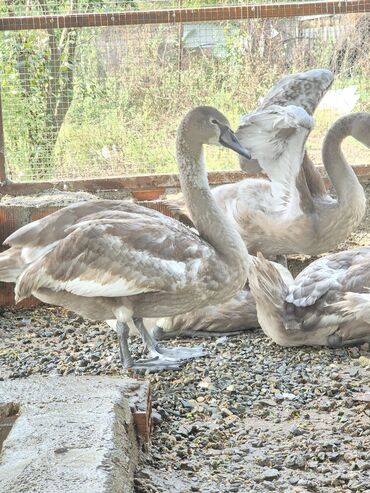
pixel 106 101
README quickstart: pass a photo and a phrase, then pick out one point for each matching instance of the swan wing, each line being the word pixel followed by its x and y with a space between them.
pixel 38 237
pixel 355 306
pixel 304 89
pixel 119 254
pixel 276 138
pixel 343 271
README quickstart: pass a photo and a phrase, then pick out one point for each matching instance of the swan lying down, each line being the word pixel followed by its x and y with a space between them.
pixel 328 304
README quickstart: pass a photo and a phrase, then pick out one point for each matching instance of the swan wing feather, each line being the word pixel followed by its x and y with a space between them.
pixel 119 254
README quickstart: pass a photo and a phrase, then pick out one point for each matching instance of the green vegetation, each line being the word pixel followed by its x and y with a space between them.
pixel 99 102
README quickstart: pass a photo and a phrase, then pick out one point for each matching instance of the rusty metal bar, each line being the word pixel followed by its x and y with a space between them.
pixel 172 16
pixel 159 183
pixel 2 146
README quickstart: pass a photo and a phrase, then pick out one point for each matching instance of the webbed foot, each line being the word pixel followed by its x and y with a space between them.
pixel 180 353
pixel 154 364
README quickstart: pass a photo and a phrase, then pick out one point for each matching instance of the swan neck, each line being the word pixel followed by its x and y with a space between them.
pixel 341 174
pixel 211 223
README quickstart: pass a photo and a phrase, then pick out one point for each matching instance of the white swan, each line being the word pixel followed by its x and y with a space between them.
pixel 127 262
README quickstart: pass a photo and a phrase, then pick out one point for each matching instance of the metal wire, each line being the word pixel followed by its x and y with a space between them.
pixel 99 102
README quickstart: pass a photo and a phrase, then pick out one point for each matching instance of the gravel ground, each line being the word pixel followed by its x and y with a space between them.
pixel 250 417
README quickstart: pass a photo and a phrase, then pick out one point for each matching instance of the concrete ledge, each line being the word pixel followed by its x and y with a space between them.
pixel 72 435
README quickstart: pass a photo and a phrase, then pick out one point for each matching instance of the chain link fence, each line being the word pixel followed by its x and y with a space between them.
pixel 106 101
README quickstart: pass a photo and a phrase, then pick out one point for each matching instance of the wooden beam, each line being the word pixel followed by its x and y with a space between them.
pixel 129 183
pixel 172 16
pixel 132 184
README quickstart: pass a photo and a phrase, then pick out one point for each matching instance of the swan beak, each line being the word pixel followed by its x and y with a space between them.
pixel 228 139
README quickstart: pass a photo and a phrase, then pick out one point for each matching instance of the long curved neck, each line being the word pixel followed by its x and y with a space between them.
pixel 208 218
pixel 314 180
pixel 345 182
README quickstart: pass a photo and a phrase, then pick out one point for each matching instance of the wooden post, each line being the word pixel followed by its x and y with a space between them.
pixel 180 51
pixel 2 152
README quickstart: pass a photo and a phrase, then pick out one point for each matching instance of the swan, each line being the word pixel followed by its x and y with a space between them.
pixel 323 223
pixel 317 223
pixel 228 318
pixel 125 262
pixel 326 305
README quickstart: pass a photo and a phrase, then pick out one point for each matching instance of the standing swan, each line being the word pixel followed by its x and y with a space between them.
pixel 324 306
pixel 132 262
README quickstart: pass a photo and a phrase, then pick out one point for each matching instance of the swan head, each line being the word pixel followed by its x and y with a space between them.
pixel 207 125
pixel 358 126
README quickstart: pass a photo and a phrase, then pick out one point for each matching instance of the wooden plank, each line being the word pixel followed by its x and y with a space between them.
pixel 134 184
pixel 173 16
pixel 129 183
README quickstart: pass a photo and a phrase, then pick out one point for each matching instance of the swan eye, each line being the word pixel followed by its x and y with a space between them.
pixel 215 122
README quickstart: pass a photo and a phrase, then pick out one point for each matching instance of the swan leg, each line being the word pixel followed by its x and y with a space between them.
pixel 166 354
pixel 335 341
pixel 127 360
pixel 123 331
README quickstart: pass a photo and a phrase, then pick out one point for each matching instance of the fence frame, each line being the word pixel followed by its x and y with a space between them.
pixel 159 182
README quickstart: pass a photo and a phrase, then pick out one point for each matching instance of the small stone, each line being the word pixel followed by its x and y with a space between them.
pixel 226 412
pixel 186 404
pixel 295 430
pixel 270 474
pixel 157 418
pixel 364 361
pixel 332 456
pixel 221 340
pixel 286 395
pixel 325 405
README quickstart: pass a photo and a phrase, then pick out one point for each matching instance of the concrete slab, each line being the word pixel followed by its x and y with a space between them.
pixel 72 435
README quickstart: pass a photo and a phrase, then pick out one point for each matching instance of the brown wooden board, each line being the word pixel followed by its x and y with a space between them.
pixel 172 16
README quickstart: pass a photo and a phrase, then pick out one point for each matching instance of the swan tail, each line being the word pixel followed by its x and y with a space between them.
pixel 355 306
pixel 11 265
pixel 266 284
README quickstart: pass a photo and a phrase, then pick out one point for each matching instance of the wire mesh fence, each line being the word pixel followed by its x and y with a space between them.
pixel 98 102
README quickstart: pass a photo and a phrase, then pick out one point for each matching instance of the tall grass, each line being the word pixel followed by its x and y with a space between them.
pixel 130 92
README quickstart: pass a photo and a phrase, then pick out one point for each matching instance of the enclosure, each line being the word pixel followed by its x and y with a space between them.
pixel 95 89
pixel 92 92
